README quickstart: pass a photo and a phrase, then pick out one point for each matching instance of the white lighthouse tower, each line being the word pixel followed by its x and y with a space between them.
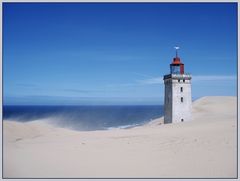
pixel 178 99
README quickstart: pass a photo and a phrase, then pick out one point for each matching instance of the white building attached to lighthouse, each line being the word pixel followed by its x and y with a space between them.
pixel 178 98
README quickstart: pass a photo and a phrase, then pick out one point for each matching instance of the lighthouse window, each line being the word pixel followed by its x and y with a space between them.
pixel 181 89
pixel 183 80
pixel 182 120
pixel 181 99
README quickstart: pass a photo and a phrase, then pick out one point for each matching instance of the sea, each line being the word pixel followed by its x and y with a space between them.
pixel 85 118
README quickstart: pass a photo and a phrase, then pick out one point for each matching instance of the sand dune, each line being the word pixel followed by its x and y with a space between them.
pixel 203 148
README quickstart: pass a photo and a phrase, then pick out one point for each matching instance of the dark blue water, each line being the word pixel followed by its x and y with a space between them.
pixel 85 117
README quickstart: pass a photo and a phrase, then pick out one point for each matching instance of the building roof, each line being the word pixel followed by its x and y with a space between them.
pixel 176 61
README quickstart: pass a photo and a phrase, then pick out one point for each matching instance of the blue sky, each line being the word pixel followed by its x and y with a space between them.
pixel 115 53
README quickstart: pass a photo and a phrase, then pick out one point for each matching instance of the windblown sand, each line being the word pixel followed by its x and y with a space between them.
pixel 203 148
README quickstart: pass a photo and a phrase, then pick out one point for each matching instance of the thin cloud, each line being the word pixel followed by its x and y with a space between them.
pixel 195 78
pixel 155 80
pixel 143 75
pixel 26 85
pixel 148 80
pixel 121 85
pixel 81 91
pixel 84 91
pixel 213 77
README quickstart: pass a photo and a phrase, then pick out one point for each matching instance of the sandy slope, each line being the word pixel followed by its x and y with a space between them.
pixel 204 147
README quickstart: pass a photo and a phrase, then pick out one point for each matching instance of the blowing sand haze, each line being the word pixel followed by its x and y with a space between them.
pixel 203 148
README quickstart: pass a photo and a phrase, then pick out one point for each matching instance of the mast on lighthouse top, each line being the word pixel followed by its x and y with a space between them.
pixel 176 47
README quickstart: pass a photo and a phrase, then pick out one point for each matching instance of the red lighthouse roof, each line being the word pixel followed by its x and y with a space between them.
pixel 176 60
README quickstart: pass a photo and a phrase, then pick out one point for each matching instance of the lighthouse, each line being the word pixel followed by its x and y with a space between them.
pixel 177 98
